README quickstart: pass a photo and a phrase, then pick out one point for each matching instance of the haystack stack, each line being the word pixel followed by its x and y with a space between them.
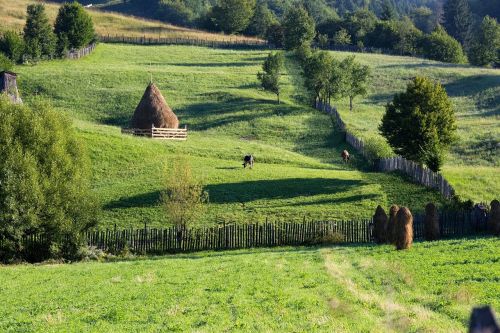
pixel 404 229
pixel 391 224
pixel 153 111
pixel 431 222
pixel 494 219
pixel 380 225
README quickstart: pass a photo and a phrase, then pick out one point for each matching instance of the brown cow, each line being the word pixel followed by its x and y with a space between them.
pixel 345 156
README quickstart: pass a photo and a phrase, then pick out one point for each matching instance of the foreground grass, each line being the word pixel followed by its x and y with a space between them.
pixel 430 288
pixel 216 94
pixel 473 165
pixel 13 15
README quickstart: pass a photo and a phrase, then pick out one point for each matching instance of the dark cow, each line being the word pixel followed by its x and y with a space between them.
pixel 345 156
pixel 248 160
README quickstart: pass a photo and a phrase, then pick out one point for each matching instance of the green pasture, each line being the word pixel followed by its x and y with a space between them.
pixel 430 288
pixel 216 94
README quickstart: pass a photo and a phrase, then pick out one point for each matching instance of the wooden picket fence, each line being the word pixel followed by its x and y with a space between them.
pixel 415 171
pixel 243 236
pixel 179 134
pixel 224 43
pixel 77 54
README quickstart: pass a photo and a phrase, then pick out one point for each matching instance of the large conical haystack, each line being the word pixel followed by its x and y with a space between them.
pixel 391 224
pixel 380 225
pixel 404 229
pixel 494 219
pixel 431 222
pixel 153 110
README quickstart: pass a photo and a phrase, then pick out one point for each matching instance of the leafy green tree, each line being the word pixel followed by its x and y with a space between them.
pixel 457 20
pixel 261 21
pixel 485 50
pixel 400 36
pixel 176 12
pixel 317 75
pixel 12 45
pixel 74 27
pixel 424 19
pixel 356 78
pixel 298 27
pixel 270 78
pixel 359 24
pixel 342 37
pixel 38 36
pixel 233 16
pixel 419 124
pixel 442 47
pixel 275 35
pixel 44 173
pixel 388 12
pixel 323 41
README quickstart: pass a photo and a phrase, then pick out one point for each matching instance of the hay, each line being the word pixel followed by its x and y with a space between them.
pixel 153 110
pixel 431 223
pixel 404 229
pixel 391 225
pixel 494 218
pixel 380 225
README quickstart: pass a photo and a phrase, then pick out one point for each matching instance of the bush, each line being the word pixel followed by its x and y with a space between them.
pixel 73 27
pixel 442 47
pixel 5 63
pixel 12 45
pixel 44 176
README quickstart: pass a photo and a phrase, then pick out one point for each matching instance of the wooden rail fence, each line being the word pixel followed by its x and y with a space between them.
pixel 77 54
pixel 415 171
pixel 159 133
pixel 242 236
pixel 224 43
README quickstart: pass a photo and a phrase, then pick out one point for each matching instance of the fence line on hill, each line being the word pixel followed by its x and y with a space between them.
pixel 243 236
pixel 77 54
pixel 224 43
pixel 415 171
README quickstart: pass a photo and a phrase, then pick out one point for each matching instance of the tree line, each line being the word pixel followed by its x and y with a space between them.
pixel 73 29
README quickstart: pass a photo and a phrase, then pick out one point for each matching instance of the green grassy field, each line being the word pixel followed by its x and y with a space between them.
pixel 216 94
pixel 430 288
pixel 473 165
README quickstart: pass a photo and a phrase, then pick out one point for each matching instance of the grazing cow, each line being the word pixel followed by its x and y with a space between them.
pixel 248 160
pixel 345 156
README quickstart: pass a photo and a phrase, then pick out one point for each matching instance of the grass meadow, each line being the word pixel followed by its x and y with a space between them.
pixel 215 93
pixel 430 288
pixel 13 14
pixel 473 165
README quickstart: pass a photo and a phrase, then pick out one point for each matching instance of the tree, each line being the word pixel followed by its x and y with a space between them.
pixel 359 24
pixel 73 27
pixel 323 41
pixel 388 12
pixel 261 21
pixel 12 45
pixel 38 36
pixel 485 50
pixel 342 37
pixel 419 124
pixel 424 19
pixel 356 76
pixel 298 27
pixel 275 35
pixel 457 20
pixel 233 16
pixel 270 78
pixel 401 36
pixel 317 75
pixel 44 177
pixel 184 198
pixel 442 47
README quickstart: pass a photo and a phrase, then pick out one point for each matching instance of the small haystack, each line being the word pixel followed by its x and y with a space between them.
pixel 494 219
pixel 404 229
pixel 391 225
pixel 153 111
pixel 431 222
pixel 380 225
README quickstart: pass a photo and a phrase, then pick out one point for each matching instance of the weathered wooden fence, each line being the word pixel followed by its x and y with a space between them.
pixel 415 171
pixel 242 236
pixel 224 43
pixel 77 54
pixel 159 133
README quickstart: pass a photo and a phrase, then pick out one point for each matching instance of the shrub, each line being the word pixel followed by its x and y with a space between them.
pixel 12 45
pixel 44 176
pixel 73 27
pixel 5 63
pixel 442 47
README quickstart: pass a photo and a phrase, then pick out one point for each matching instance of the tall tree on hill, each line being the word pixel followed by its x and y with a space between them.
pixel 457 20
pixel 485 50
pixel 270 78
pixel 298 27
pixel 419 124
pixel 233 16
pixel 357 76
pixel 388 12
pixel 74 27
pixel 38 36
